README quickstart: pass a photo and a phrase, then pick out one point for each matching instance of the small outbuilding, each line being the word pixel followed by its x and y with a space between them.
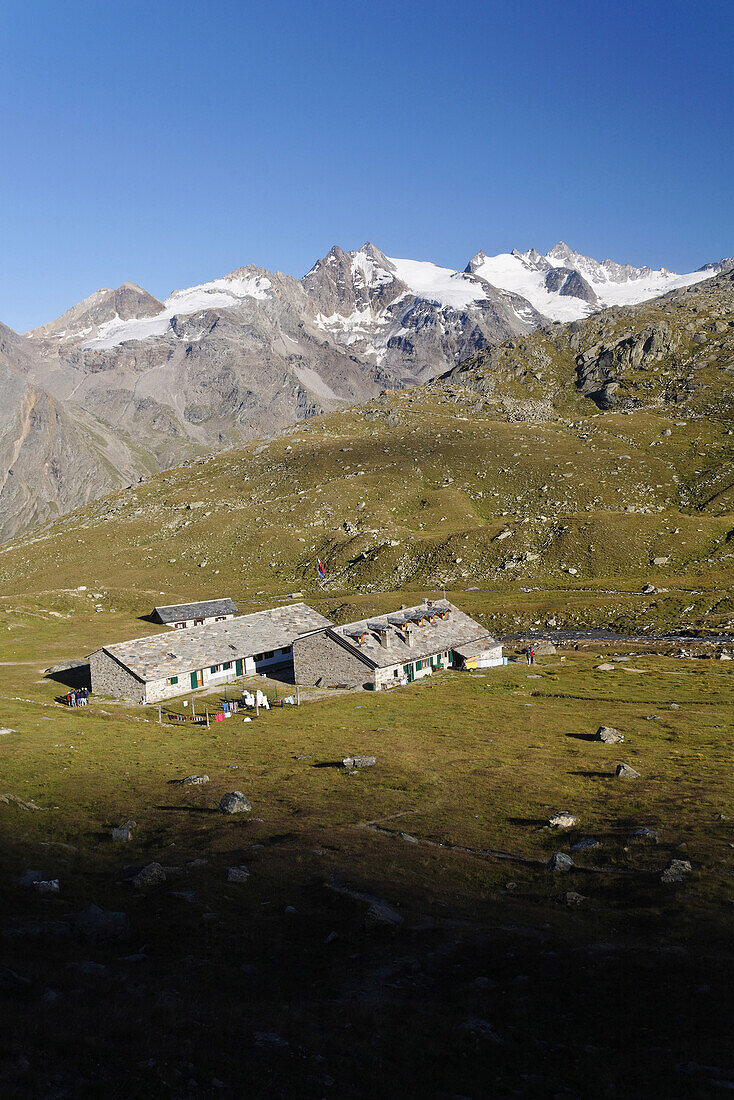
pixel 161 666
pixel 179 616
pixel 393 649
pixel 483 653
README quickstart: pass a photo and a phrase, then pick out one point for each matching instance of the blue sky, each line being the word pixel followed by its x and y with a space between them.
pixel 170 142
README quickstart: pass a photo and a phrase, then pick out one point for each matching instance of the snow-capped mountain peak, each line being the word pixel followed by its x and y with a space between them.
pixel 589 284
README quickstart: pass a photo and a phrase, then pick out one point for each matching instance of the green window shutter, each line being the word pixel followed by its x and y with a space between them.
pixel 193 679
pixel 238 667
pixel 174 679
pixel 214 668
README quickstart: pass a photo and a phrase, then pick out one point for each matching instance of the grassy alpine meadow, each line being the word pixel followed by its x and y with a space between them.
pixel 513 977
pixel 399 916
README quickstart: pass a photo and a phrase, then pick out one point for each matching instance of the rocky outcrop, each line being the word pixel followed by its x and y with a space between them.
pixel 602 369
pixel 571 283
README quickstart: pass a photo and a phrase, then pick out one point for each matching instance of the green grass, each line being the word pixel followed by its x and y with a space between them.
pixel 469 764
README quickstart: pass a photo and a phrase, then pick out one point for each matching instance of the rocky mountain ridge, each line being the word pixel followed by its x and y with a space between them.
pixel 673 353
pixel 123 383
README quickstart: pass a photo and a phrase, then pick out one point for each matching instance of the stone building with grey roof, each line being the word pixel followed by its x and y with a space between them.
pixel 182 615
pixel 147 670
pixel 392 649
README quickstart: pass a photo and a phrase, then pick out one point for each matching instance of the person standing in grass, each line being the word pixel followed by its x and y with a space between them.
pixel 528 654
pixel 532 656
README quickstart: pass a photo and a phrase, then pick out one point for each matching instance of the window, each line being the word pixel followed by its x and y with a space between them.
pixel 270 653
pixel 396 672
pixel 172 680
pixel 215 668
pixel 198 622
pixel 179 626
pixel 286 649
pixel 219 619
pixel 226 665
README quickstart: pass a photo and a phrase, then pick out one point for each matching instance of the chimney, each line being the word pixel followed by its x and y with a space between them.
pixel 381 632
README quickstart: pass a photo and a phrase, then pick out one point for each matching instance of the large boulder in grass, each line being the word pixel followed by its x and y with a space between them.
pixel 234 803
pixel 563 820
pixel 359 761
pixel 559 862
pixel 609 735
pixel 571 899
pixel 676 871
pixel 380 915
pixel 150 875
pixel 624 771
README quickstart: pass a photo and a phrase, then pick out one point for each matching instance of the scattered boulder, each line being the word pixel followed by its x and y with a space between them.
pixel 234 803
pixel 649 589
pixel 97 925
pixel 47 886
pixel 624 771
pixel 480 1029
pixel 605 668
pixel 151 875
pixel 359 761
pixel 269 1040
pixel 382 916
pixel 586 844
pixel 237 874
pixel 542 646
pixel 676 871
pixel 558 862
pixel 194 780
pixel 563 820
pixel 22 803
pixel 642 835
pixel 571 899
pixel 123 832
pixel 89 969
pixel 660 561
pixel 608 735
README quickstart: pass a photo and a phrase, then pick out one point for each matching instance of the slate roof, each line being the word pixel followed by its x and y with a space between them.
pixel 207 609
pixel 425 639
pixel 176 652
pixel 476 648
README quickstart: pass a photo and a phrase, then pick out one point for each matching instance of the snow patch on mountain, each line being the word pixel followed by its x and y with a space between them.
pixel 527 274
pixel 223 293
pixel 454 289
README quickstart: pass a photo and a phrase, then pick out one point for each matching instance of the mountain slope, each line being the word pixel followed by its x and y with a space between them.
pixel 246 355
pixel 510 481
pixel 674 353
pixel 53 457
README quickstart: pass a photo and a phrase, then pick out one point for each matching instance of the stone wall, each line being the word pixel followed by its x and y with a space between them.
pixel 319 657
pixel 109 677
